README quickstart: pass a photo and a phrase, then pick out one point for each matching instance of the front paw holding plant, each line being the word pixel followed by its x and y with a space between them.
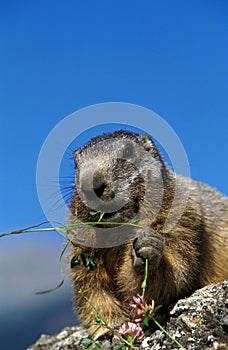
pixel 147 245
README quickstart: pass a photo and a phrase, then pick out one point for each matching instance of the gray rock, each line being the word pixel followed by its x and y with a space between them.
pixel 199 322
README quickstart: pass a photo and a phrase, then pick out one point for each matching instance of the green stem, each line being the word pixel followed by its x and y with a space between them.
pixel 94 307
pixel 61 273
pixel 144 283
pixel 104 324
pixel 62 229
pixel 167 333
pixel 123 340
pixel 93 223
pixel 101 216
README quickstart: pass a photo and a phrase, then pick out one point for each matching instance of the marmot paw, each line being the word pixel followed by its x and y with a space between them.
pixel 147 245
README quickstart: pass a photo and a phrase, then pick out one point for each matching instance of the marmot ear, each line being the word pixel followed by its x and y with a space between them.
pixel 148 143
pixel 150 147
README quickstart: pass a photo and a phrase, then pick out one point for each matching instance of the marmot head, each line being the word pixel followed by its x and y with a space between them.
pixel 117 173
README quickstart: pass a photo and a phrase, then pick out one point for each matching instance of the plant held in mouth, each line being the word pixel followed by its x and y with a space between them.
pixel 82 258
pixel 130 334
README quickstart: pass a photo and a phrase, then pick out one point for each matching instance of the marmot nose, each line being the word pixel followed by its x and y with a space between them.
pixel 97 183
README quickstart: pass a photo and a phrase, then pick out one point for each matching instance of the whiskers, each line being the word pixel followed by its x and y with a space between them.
pixel 62 190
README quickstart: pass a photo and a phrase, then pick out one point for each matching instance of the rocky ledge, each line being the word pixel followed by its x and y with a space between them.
pixel 199 322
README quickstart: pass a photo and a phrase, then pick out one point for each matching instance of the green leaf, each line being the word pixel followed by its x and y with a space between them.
pixel 97 346
pixel 99 320
pixel 86 341
pixel 75 260
pixel 157 308
pixel 88 262
pixel 146 321
pixel 93 213
pixel 121 346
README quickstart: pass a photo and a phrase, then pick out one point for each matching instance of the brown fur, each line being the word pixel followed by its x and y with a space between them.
pixel 190 255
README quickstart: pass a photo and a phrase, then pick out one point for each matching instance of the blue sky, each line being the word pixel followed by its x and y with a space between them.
pixel 57 57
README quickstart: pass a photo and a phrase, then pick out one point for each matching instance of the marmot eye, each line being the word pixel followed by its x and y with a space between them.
pixel 128 150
